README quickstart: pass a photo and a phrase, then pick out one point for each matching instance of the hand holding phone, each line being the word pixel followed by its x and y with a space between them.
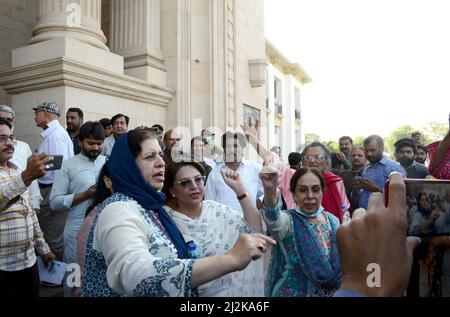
pixel 36 164
pixel 55 164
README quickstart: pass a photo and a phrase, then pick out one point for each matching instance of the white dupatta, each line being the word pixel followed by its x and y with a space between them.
pixel 214 233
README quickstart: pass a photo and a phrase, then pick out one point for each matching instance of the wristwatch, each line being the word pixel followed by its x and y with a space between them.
pixel 242 196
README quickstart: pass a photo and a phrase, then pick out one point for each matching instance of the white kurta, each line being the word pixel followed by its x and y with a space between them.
pixel 140 260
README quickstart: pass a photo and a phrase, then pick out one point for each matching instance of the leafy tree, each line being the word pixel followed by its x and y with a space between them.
pixel 435 131
pixel 333 146
pixel 311 137
pixel 358 141
pixel 401 132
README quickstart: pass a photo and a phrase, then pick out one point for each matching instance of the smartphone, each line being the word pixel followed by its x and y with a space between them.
pixel 428 203
pixel 57 162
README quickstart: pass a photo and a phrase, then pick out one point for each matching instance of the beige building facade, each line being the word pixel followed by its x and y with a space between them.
pixel 180 63
pixel 284 103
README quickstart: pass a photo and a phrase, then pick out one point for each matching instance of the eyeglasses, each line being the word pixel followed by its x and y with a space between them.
pixel 189 182
pixel 8 119
pixel 4 138
pixel 178 140
pixel 316 157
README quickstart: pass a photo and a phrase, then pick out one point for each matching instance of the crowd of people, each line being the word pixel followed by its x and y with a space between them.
pixel 143 216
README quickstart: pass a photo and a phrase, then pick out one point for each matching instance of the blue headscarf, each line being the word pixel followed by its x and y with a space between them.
pixel 127 179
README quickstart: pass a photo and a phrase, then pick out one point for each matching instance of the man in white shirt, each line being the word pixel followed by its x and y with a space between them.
pixel 74 188
pixel 216 189
pixel 56 141
pixel 22 152
pixel 120 126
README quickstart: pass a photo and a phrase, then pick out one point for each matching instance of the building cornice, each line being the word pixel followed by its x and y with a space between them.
pixel 65 72
pixel 282 63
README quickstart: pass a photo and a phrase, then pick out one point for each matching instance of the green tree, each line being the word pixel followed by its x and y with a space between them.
pixel 401 132
pixel 311 137
pixel 333 146
pixel 358 141
pixel 435 131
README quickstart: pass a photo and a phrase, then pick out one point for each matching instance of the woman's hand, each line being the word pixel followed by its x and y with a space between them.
pixel 270 183
pixel 233 179
pixel 269 179
pixel 249 247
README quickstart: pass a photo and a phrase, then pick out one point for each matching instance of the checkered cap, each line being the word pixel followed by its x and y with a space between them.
pixel 49 106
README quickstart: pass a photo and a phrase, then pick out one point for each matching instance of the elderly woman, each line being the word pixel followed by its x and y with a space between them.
pixel 305 261
pixel 134 248
pixel 317 155
pixel 212 226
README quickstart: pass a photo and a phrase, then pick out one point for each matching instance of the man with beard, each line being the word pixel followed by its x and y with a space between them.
pixel 20 234
pixel 342 160
pixel 377 172
pixel 421 156
pixel 74 120
pixel 120 126
pixel 405 150
pixel 74 187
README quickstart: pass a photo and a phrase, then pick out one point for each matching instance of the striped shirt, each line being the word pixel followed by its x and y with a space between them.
pixel 20 233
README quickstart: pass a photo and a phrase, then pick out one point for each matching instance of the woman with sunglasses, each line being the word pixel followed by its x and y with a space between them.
pixel 134 248
pixel 213 227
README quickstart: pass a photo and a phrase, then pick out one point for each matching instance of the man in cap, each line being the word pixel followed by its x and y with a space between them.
pixel 56 141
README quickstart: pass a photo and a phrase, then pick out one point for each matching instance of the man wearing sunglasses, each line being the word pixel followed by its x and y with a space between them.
pixel 22 152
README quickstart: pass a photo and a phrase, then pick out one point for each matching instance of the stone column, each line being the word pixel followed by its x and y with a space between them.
pixel 77 19
pixel 136 35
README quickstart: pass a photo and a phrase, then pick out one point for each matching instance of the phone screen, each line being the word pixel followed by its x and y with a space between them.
pixel 428 206
pixel 57 162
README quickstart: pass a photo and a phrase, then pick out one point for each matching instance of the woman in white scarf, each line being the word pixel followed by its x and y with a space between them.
pixel 213 227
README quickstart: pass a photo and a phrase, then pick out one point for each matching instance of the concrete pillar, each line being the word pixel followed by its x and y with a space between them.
pixel 77 19
pixel 136 35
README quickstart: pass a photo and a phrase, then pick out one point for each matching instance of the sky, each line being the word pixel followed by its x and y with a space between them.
pixel 375 64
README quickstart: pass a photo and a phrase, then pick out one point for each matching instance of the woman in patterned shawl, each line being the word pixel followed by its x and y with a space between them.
pixel 305 261
pixel 134 248
pixel 212 226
